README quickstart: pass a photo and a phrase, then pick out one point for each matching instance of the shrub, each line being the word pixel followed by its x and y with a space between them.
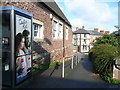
pixel 108 78
pixel 102 57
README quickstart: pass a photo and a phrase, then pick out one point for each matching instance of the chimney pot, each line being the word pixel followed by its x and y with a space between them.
pixel 96 29
pixel 102 31
pixel 83 27
pixel 107 32
pixel 77 28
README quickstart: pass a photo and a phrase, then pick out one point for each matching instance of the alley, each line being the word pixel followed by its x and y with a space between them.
pixel 82 76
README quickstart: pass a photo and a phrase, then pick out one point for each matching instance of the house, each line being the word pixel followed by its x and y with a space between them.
pixel 83 39
pixel 52 31
pixel 93 35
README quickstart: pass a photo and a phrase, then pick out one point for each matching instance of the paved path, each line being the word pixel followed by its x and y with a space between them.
pixel 81 77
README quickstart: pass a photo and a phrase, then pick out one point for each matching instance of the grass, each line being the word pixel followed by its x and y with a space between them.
pixel 43 67
pixel 108 78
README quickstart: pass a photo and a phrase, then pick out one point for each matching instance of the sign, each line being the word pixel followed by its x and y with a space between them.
pixel 23 48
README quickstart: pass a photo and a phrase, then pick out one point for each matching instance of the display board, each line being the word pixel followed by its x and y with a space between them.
pixel 22 48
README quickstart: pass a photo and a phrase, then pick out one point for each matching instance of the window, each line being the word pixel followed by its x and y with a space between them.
pixel 84 47
pixel 85 35
pixel 60 31
pixel 66 33
pixel 38 29
pixel 38 33
pixel 54 34
pixel 85 41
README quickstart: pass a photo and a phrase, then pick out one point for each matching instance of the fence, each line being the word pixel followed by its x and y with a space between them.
pixel 74 61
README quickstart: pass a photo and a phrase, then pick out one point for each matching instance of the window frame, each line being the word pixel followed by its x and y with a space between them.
pixel 66 33
pixel 58 35
pixel 40 30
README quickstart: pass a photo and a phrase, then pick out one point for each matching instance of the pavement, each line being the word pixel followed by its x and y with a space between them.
pixel 82 76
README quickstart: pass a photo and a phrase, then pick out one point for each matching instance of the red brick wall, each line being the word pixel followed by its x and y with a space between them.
pixel 41 13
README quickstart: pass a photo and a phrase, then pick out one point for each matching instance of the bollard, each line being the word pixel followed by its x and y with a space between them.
pixel 76 59
pixel 63 71
pixel 72 63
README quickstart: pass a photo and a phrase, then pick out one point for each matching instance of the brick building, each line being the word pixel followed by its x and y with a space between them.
pixel 52 33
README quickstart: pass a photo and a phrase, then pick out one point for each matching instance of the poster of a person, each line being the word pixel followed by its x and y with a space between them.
pixel 23 48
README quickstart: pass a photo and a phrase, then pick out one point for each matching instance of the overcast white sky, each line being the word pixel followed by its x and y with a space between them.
pixel 102 14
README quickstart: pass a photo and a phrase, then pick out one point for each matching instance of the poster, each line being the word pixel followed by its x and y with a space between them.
pixel 23 48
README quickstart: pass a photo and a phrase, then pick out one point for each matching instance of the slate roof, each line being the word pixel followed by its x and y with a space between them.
pixel 92 32
pixel 55 8
pixel 80 31
pixel 83 31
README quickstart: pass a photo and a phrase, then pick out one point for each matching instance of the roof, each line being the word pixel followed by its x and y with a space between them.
pixel 92 32
pixel 16 9
pixel 83 31
pixel 55 8
pixel 80 31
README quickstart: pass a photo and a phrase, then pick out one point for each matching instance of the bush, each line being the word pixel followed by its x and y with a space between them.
pixel 102 57
pixel 108 78
pixel 107 39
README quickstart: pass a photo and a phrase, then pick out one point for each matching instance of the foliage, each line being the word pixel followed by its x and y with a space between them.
pixel 102 57
pixel 106 39
pixel 108 78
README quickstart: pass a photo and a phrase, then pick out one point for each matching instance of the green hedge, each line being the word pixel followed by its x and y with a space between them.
pixel 102 57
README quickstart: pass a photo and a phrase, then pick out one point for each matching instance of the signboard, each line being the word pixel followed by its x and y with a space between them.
pixel 23 48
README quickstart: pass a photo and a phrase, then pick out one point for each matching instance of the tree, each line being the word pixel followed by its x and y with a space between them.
pixel 106 39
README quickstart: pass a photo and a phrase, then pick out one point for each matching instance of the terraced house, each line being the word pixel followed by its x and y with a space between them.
pixel 51 32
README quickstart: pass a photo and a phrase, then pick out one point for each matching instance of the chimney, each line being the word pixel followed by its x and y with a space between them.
pixel 83 27
pixel 107 32
pixel 96 29
pixel 77 28
pixel 102 31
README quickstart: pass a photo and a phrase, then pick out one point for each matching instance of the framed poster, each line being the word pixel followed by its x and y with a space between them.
pixel 22 48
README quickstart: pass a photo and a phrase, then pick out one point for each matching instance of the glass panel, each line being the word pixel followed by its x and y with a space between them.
pixel 23 48
pixel 6 48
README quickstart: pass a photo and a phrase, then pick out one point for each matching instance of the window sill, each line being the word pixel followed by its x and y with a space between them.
pixel 38 39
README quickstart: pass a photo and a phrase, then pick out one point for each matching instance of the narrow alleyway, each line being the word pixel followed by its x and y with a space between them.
pixel 82 76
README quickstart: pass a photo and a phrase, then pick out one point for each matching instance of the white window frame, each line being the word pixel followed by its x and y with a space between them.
pixel 67 32
pixel 60 31
pixel 40 35
pixel 55 30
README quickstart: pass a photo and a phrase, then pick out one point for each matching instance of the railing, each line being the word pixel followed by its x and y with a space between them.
pixel 77 59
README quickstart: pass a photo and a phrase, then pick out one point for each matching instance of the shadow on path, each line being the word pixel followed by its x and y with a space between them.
pixel 51 82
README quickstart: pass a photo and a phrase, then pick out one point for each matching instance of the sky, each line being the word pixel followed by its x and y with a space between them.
pixel 102 14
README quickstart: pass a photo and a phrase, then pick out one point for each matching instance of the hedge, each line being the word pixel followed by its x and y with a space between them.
pixel 102 57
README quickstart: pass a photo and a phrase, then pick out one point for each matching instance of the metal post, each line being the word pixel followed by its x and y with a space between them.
pixel 63 71
pixel 76 59
pixel 72 63
pixel 12 48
